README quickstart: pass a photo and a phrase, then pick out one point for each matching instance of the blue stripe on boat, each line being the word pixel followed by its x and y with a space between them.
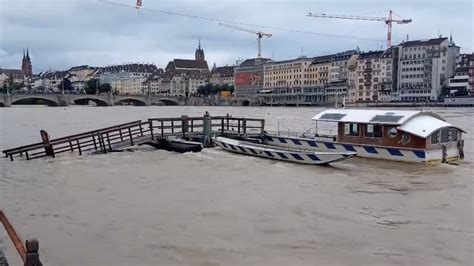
pixel 232 147
pixel 420 153
pixel 348 147
pixel 269 154
pixel 371 149
pixel 269 138
pixel 330 145
pixel 314 157
pixel 312 143
pixel 223 144
pixel 296 156
pixel 296 142
pixel 282 155
pixel 252 151
pixel 241 149
pixel 394 152
pixel 282 140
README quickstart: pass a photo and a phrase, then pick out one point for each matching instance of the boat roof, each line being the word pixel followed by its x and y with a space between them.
pixel 418 123
pixel 424 125
pixel 366 116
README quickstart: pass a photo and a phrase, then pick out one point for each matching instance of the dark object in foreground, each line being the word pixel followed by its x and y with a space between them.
pixel 28 252
pixel 177 145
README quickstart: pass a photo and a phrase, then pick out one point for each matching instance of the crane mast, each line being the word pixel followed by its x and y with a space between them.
pixel 259 34
pixel 388 21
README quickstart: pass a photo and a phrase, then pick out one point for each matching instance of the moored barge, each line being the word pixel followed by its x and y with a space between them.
pixel 408 136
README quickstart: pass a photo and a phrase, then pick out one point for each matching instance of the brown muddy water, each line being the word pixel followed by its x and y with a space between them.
pixel 214 208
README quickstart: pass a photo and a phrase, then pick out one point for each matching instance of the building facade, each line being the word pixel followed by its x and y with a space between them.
pixel 248 77
pixel 222 76
pixel 424 68
pixel 127 78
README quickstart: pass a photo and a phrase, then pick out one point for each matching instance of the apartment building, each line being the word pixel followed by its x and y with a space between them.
pixel 248 77
pixel 424 68
pixel 222 75
pixel 127 78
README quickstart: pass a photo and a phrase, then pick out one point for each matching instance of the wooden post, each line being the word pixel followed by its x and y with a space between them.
pixel 48 148
pixel 262 124
pixel 93 139
pixel 184 125
pixel 32 256
pixel 120 132
pixel 244 126
pixel 238 125
pixel 130 134
pixel 150 126
pixel 172 126
pixel 27 155
pixel 108 141
pixel 141 129
pixel 79 147
pixel 162 130
pixel 222 125
pixel 70 145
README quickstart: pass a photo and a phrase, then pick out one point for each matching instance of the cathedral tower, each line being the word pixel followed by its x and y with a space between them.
pixel 26 66
pixel 199 54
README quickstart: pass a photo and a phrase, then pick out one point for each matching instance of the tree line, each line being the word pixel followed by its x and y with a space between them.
pixel 213 89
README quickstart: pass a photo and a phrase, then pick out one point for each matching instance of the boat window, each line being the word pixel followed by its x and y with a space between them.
pixel 392 132
pixel 435 137
pixel 454 134
pixel 351 129
pixel 373 131
pixel 444 135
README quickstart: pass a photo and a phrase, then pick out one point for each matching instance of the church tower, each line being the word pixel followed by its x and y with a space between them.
pixel 26 67
pixel 199 54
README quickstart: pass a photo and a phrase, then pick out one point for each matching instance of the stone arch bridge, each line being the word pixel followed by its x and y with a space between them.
pixel 7 100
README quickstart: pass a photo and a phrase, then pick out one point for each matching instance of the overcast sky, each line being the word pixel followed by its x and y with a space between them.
pixel 65 33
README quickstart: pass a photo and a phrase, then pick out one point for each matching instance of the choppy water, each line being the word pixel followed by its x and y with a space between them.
pixel 215 208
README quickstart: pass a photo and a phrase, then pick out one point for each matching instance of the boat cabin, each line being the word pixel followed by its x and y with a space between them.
pixel 402 129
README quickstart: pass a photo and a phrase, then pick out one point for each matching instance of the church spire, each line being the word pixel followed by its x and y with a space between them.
pixel 27 54
pixel 23 53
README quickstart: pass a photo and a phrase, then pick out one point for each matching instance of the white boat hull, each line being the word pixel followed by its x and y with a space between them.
pixel 281 153
pixel 365 151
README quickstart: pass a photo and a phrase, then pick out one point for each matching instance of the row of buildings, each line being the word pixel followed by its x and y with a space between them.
pixel 412 71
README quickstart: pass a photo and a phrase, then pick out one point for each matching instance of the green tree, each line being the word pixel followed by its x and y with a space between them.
pixel 66 85
pixel 91 86
pixel 105 88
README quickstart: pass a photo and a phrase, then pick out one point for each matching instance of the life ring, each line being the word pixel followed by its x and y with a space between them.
pixel 405 139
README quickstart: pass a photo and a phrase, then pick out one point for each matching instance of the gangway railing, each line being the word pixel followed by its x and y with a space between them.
pixel 103 140
pixel 140 132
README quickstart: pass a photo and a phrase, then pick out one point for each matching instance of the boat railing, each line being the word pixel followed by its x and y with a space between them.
pixel 309 133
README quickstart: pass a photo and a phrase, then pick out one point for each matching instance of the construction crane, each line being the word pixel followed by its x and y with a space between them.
pixel 259 34
pixel 388 21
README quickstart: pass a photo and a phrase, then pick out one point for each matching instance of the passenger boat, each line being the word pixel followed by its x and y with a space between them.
pixel 408 136
pixel 281 153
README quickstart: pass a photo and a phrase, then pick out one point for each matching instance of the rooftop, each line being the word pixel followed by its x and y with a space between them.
pixel 436 41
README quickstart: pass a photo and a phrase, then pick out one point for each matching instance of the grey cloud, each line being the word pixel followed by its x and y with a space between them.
pixel 61 34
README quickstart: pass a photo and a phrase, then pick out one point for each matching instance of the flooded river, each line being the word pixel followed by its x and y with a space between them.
pixel 214 208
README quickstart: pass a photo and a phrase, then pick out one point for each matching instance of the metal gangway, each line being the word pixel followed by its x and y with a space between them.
pixel 123 136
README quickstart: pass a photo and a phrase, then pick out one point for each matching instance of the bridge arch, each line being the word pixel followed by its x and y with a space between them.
pixel 34 99
pixel 97 101
pixel 168 102
pixel 245 102
pixel 133 101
